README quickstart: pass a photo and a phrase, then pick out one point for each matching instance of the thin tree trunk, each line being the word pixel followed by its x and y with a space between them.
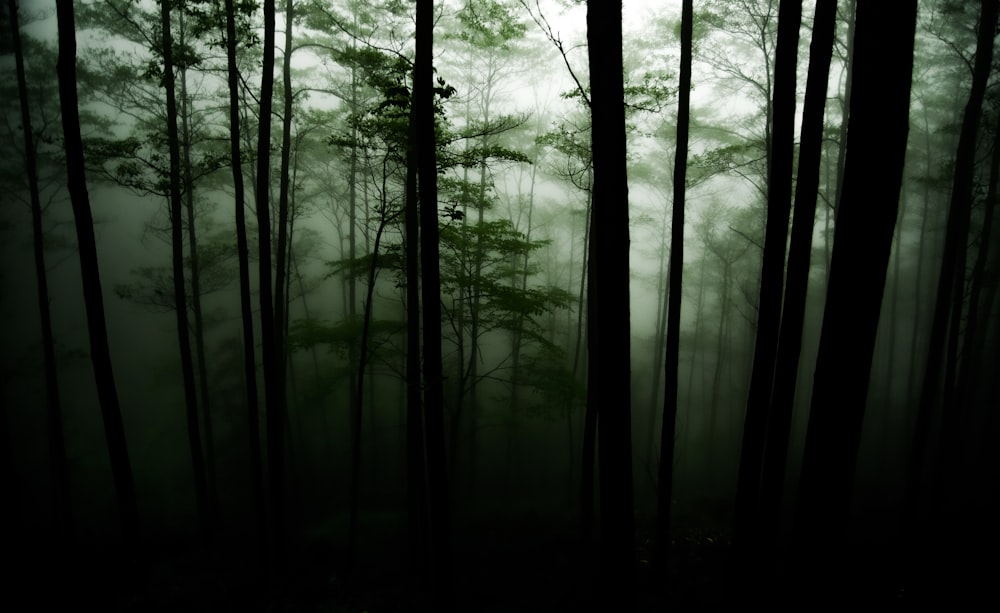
pixel 100 354
pixel 352 532
pixel 246 309
pixel 272 361
pixel 972 351
pixel 199 326
pixel 180 293
pixel 671 362
pixel 794 308
pixel 745 571
pixel 951 277
pixel 59 465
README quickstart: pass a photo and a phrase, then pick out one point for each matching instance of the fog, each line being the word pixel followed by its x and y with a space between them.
pixel 515 178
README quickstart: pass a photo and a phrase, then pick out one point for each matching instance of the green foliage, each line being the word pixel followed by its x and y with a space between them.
pixel 489 24
pixel 483 262
pixel 556 391
pixel 341 336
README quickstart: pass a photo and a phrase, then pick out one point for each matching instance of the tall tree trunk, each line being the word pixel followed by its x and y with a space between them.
pixel 59 465
pixel 281 257
pixel 609 334
pixel 180 293
pixel 416 472
pixel 100 354
pixel 273 391
pixel 746 519
pixel 588 452
pixel 879 122
pixel 196 312
pixel 246 309
pixel 671 364
pixel 352 532
pixel 437 469
pixel 793 312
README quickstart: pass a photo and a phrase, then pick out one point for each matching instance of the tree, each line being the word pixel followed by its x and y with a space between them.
pixel 57 444
pixel 879 122
pixel 177 243
pixel 430 290
pixel 608 319
pixel 114 430
pixel 746 529
pixel 779 419
pixel 246 307
pixel 270 329
pixel 950 298
pixel 671 363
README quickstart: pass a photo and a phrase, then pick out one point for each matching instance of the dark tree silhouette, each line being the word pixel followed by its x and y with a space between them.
pixel 246 306
pixel 879 122
pixel 97 328
pixel 180 293
pixel 437 470
pixel 416 469
pixel 746 527
pixel 269 328
pixel 672 361
pixel 946 326
pixel 951 278
pixel 61 500
pixel 779 419
pixel 609 369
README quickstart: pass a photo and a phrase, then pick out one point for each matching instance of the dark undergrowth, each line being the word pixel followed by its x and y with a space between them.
pixel 519 564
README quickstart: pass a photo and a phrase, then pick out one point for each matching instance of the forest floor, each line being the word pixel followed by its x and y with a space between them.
pixel 517 564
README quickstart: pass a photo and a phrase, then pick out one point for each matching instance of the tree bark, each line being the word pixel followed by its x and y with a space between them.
pixel 793 311
pixel 246 309
pixel 609 334
pixel 879 122
pixel 671 364
pixel 180 293
pixel 437 470
pixel 273 391
pixel 100 354
pixel 746 520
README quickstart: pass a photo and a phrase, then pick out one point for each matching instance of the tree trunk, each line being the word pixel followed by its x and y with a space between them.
pixel 272 361
pixel 951 278
pixel 196 312
pixel 609 334
pixel 671 362
pixel 59 465
pixel 879 122
pixel 746 519
pixel 793 312
pixel 246 308
pixel 416 472
pixel 180 294
pixel 100 354
pixel 437 470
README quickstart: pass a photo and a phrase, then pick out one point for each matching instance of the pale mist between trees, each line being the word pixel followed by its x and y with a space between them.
pixel 499 305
